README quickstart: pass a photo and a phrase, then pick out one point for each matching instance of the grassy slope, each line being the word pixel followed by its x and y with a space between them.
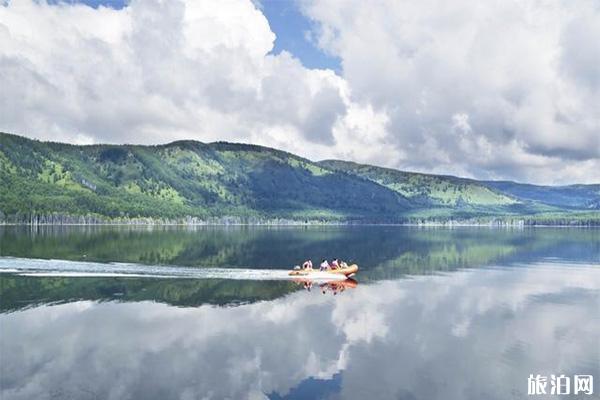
pixel 572 196
pixel 436 195
pixel 439 196
pixel 428 190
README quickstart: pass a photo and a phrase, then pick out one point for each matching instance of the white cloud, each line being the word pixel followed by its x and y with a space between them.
pixel 157 71
pixel 523 77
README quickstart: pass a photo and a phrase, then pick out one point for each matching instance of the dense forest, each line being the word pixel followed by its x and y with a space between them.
pixel 192 183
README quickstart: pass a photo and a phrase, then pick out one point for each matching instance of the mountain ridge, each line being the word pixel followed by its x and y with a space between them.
pixel 587 193
pixel 207 181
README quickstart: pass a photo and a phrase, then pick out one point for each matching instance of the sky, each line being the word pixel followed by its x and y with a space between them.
pixel 489 90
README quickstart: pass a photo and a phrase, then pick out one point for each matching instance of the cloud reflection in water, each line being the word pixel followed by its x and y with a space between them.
pixel 468 334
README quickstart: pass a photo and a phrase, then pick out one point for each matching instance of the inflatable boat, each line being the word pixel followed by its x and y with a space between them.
pixel 348 271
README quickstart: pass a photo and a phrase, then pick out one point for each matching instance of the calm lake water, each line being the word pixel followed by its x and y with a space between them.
pixel 188 313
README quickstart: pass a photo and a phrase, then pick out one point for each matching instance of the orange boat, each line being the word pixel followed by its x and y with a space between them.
pixel 347 271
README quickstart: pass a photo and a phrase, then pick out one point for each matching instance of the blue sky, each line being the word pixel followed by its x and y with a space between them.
pixel 290 26
pixel 95 3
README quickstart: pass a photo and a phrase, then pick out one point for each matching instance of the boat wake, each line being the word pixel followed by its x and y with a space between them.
pixel 66 268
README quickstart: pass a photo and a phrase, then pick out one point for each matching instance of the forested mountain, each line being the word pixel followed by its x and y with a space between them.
pixel 429 190
pixel 444 196
pixel 49 182
pixel 180 179
pixel 572 196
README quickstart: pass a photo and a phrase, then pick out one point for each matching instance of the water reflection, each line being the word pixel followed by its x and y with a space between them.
pixel 476 311
pixel 18 292
pixel 382 253
pixel 333 287
pixel 469 334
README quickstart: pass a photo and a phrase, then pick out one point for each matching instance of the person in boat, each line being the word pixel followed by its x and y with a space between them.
pixel 307 265
pixel 343 264
pixel 335 264
pixel 324 266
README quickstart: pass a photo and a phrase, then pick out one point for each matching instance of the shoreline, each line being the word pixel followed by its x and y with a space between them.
pixel 589 219
pixel 414 225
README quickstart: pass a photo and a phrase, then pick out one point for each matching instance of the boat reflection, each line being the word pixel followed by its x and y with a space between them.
pixel 333 287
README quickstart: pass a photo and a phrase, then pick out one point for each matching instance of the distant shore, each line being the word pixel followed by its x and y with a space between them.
pixel 567 219
pixel 492 223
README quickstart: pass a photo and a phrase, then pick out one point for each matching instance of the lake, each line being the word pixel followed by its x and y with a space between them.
pixel 102 312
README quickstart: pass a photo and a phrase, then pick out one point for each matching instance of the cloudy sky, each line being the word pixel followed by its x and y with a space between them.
pixel 492 90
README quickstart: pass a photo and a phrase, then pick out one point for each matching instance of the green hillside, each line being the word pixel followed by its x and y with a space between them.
pixel 446 197
pixel 180 179
pixel 427 190
pixel 45 182
pixel 571 196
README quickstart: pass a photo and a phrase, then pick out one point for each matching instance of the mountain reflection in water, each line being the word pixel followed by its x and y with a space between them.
pixel 382 252
pixel 436 314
